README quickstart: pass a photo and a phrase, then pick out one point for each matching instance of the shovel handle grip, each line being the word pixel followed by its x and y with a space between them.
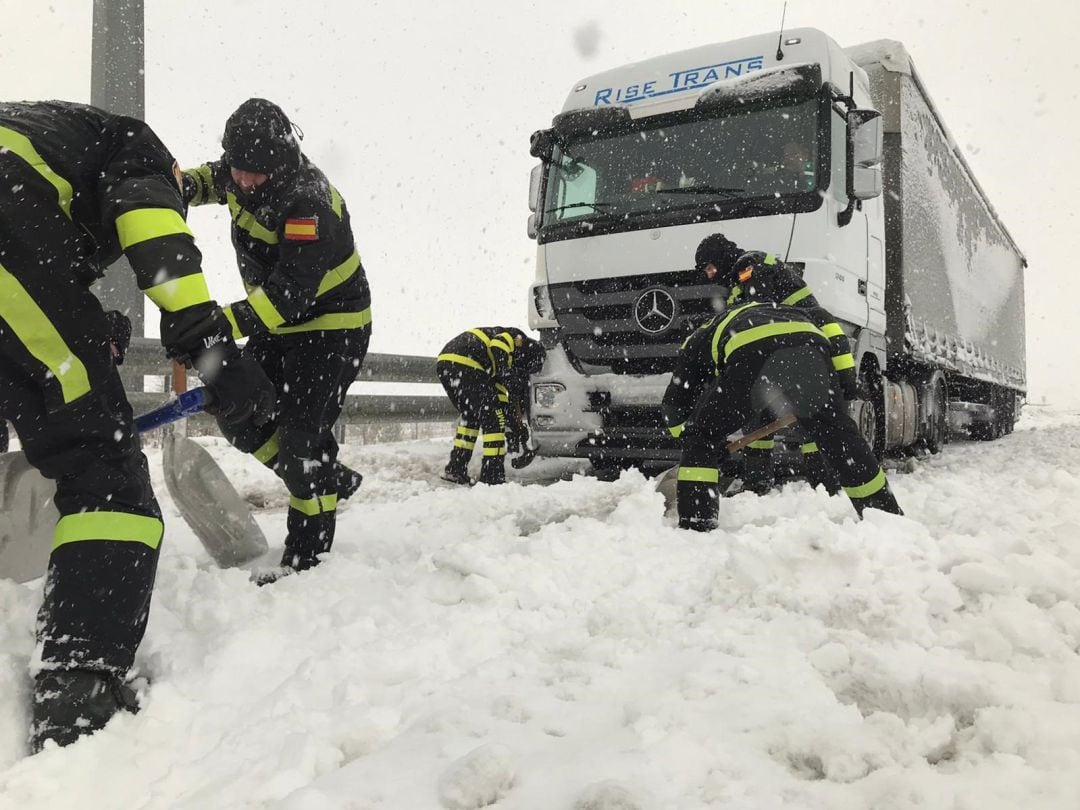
pixel 186 404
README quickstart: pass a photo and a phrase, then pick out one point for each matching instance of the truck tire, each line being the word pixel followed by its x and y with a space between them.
pixel 871 413
pixel 937 428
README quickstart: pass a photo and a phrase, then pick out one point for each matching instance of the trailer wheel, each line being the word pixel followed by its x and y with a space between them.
pixel 871 411
pixel 937 431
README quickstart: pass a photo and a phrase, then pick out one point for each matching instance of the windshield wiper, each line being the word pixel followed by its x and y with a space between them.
pixel 594 206
pixel 728 192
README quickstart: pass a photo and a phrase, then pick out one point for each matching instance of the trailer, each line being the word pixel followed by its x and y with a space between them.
pixel 836 161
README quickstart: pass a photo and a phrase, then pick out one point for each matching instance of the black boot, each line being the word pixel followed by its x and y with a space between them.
pixel 883 499
pixel 71 703
pixel 493 470
pixel 457 469
pixel 698 504
pixel 346 480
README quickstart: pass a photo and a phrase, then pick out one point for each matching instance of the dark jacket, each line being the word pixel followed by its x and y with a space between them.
pixel 759 276
pixel 295 250
pixel 493 350
pixel 117 191
pixel 729 338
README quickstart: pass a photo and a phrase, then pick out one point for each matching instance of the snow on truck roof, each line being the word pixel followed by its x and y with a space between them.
pixel 675 81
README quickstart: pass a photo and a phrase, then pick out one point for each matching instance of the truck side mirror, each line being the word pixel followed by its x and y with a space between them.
pixel 531 227
pixel 541 144
pixel 865 150
pixel 534 187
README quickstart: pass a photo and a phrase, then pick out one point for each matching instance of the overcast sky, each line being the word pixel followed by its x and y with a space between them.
pixel 420 113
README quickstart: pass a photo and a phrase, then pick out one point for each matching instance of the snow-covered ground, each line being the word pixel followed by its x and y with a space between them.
pixel 565 647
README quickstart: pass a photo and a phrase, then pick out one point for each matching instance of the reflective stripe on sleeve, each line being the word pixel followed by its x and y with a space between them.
pixel 831 330
pixel 765 331
pixel 796 297
pixel 461 360
pixel 843 361
pixel 179 293
pixel 265 308
pixel 144 224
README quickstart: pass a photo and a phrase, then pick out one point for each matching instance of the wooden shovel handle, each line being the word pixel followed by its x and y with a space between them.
pixel 761 433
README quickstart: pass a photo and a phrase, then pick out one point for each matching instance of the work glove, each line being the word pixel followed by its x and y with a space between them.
pixel 119 334
pixel 514 430
pixel 241 390
pixel 850 387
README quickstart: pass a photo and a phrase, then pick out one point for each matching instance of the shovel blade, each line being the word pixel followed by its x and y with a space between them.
pixel 27 519
pixel 216 513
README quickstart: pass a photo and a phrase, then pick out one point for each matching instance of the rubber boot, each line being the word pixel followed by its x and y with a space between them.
pixel 757 476
pixel 493 470
pixel 71 703
pixel 699 504
pixel 883 499
pixel 457 470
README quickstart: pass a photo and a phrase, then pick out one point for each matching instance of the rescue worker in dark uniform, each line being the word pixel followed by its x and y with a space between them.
pixel 78 187
pixel 485 372
pixel 307 314
pixel 759 276
pixel 764 358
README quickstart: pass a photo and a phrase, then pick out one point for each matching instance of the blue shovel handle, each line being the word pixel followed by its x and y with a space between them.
pixel 188 403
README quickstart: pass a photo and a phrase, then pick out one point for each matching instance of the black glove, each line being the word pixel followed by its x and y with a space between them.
pixel 849 385
pixel 240 387
pixel 119 326
pixel 513 437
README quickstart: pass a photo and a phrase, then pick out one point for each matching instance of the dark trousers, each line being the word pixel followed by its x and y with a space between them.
pixel 105 550
pixel 312 372
pixel 475 397
pixel 796 380
pixel 758 461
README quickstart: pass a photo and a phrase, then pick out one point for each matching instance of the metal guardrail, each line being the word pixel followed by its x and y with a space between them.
pixel 146 357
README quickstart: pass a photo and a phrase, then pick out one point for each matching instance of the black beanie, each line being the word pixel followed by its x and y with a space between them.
pixel 717 250
pixel 259 138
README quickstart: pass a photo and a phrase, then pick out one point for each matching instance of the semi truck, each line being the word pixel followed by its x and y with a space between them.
pixel 835 160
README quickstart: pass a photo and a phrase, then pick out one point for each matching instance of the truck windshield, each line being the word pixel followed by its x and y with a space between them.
pixel 762 154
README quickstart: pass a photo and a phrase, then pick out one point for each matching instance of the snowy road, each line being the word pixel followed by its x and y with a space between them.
pixel 542 648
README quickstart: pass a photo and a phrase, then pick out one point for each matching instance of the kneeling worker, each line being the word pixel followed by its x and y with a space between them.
pixel 485 372
pixel 764 358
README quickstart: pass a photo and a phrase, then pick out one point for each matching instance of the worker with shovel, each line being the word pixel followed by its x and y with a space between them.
pixel 78 187
pixel 307 314
pixel 763 358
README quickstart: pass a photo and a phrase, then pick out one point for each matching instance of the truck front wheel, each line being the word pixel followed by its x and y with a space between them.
pixel 869 410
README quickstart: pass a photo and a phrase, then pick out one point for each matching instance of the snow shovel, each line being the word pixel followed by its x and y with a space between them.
pixel 667 481
pixel 206 499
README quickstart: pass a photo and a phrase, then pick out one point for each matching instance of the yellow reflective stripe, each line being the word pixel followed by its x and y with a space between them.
pixel 468 431
pixel 326 323
pixel 265 308
pixel 113 526
pixel 831 330
pixel 796 296
pixel 36 332
pixel 504 341
pixel 487 345
pixel 203 176
pixel 765 331
pixel 733 296
pixel 719 331
pixel 810 447
pixel 309 506
pixel 231 318
pixel 875 484
pixel 494 437
pixel 328 503
pixel 464 444
pixel 144 224
pixel 495 451
pixel 339 275
pixel 179 293
pixel 769 259
pixel 677 430
pixel 245 220
pixel 707 475
pixel 268 452
pixel 843 361
pixel 20 145
pixel 335 201
pixel 762 444
pixel 461 360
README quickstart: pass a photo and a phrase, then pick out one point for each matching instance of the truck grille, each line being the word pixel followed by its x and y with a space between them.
pixel 635 324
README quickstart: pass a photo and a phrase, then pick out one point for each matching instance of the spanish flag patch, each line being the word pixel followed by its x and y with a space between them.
pixel 302 229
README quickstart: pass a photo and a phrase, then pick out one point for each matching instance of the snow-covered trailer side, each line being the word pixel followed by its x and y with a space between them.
pixel 954 294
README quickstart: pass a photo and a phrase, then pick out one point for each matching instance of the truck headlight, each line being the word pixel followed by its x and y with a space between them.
pixel 545 394
pixel 542 299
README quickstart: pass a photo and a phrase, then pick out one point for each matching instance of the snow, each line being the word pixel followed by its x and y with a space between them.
pixel 564 646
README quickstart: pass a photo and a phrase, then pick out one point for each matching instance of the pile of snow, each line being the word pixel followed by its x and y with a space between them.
pixel 541 647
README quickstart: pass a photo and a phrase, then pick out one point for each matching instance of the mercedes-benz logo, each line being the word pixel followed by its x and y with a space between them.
pixel 655 311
